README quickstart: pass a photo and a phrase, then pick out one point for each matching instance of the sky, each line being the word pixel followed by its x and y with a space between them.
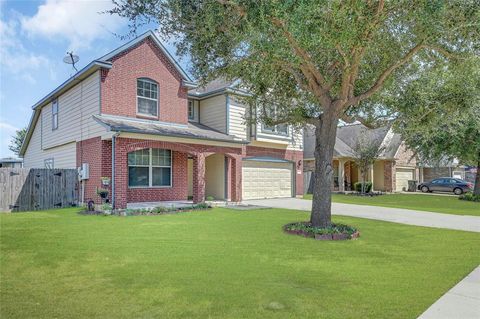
pixel 34 38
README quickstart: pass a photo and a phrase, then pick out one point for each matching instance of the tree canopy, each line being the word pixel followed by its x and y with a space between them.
pixel 314 61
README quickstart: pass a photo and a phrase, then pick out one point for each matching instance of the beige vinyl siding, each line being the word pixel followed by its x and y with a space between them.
pixel 236 121
pixel 75 110
pixel 215 176
pixel 213 113
pixel 64 156
pixel 195 111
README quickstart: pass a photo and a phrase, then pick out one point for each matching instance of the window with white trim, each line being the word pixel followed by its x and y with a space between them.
pixel 278 129
pixel 191 110
pixel 54 114
pixel 151 167
pixel 147 97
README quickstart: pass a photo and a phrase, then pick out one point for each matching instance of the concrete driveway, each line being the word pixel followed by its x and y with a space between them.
pixel 395 215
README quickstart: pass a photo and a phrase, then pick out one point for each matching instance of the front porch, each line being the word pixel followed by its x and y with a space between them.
pixel 346 173
pixel 150 173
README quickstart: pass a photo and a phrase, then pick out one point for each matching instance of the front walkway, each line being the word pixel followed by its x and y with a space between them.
pixel 395 215
pixel 462 301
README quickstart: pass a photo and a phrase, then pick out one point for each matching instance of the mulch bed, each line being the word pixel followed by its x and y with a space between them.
pixel 333 236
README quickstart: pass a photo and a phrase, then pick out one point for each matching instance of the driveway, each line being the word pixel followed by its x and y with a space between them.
pixel 395 215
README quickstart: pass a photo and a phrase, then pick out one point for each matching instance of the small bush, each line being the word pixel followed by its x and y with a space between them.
pixel 470 197
pixel 210 198
pixel 358 187
pixel 201 206
pixel 333 229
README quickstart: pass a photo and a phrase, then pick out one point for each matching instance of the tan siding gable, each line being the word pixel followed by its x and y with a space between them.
pixel 75 110
pixel 64 156
pixel 236 122
pixel 213 113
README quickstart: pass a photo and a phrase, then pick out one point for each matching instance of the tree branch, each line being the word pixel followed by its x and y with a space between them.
pixel 381 79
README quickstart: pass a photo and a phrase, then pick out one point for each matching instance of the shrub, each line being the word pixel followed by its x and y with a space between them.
pixel 201 206
pixel 470 197
pixel 210 198
pixel 358 187
pixel 332 229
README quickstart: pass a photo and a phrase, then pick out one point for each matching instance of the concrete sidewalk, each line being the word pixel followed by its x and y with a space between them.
pixel 395 215
pixel 460 302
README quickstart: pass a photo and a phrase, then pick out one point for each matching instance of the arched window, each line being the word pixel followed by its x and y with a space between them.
pixel 147 97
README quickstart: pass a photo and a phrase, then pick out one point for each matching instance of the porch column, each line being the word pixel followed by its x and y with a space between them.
pixel 121 174
pixel 341 176
pixel 236 178
pixel 199 178
pixel 228 178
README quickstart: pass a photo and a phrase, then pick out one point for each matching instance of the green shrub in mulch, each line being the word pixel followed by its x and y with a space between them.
pixel 333 232
pixel 471 197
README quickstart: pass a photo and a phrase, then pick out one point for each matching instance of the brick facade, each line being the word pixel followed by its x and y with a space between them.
pixel 144 60
pixel 118 96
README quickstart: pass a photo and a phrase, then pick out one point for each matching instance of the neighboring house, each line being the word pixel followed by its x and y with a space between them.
pixel 393 169
pixel 135 118
pixel 11 162
pixel 442 169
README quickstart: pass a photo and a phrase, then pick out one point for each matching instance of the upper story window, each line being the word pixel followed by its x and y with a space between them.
pixel 147 97
pixel 54 114
pixel 191 110
pixel 279 129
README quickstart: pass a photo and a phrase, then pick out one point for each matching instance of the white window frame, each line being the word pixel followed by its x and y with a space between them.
pixel 275 131
pixel 147 98
pixel 54 114
pixel 150 171
pixel 191 106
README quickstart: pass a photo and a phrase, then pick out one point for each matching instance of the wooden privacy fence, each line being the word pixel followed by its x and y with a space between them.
pixel 26 189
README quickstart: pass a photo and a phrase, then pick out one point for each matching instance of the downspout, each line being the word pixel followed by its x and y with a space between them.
pixel 114 138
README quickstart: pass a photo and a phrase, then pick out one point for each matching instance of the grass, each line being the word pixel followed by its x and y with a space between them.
pixel 429 203
pixel 222 264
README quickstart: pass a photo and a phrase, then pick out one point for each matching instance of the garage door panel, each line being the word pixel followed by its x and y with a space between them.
pixel 402 176
pixel 266 179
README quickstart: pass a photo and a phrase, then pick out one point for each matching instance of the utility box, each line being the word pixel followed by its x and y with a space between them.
pixel 84 171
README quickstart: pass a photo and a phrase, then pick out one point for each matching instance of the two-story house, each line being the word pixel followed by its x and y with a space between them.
pixel 134 122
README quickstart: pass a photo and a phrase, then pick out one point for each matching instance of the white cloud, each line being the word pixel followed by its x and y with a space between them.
pixel 13 55
pixel 6 132
pixel 78 21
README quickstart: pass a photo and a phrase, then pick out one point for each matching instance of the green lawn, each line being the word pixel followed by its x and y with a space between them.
pixel 429 203
pixel 222 264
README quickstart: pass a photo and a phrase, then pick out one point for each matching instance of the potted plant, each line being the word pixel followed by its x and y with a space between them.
pixel 102 192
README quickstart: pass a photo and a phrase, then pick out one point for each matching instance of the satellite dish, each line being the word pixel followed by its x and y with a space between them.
pixel 71 58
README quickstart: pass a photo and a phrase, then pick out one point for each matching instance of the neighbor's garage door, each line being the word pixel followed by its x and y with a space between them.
pixel 266 179
pixel 402 176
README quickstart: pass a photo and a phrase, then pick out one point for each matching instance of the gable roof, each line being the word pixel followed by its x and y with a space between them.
pixel 95 65
pixel 217 86
pixel 149 34
pixel 347 138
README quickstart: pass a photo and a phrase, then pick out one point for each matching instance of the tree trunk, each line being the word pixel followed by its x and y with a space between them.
pixel 325 134
pixel 476 189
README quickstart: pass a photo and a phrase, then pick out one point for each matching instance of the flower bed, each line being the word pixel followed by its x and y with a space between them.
pixel 161 210
pixel 334 232
pixel 470 197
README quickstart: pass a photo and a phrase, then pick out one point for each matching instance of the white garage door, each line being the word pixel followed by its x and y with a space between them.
pixel 266 179
pixel 402 176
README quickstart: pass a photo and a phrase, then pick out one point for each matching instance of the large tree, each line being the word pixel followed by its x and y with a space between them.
pixel 313 61
pixel 445 122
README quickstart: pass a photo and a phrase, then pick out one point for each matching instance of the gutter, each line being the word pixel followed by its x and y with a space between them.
pixel 114 139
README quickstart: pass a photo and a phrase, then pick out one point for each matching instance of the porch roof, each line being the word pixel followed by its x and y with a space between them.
pixel 190 130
